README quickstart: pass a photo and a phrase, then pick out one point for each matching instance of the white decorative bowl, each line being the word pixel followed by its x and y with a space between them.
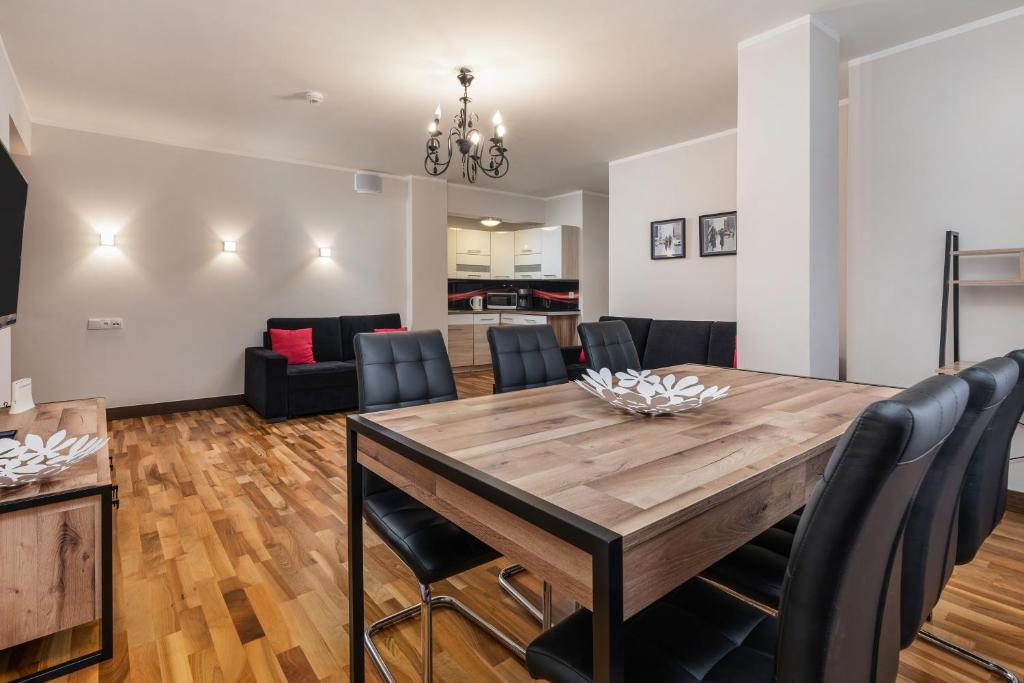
pixel 35 460
pixel 641 393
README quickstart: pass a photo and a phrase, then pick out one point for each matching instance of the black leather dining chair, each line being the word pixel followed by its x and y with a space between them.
pixel 983 501
pixel 757 570
pixel 397 370
pixel 608 344
pixel 839 613
pixel 525 357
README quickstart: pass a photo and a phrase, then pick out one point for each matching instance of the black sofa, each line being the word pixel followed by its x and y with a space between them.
pixel 661 343
pixel 278 391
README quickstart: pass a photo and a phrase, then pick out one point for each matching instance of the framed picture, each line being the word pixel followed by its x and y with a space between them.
pixel 717 234
pixel 668 239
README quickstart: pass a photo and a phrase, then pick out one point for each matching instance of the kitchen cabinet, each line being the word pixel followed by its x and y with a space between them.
pixel 503 255
pixel 473 242
pixel 529 241
pixel 460 340
pixel 564 326
pixel 481 348
pixel 560 253
pixel 472 266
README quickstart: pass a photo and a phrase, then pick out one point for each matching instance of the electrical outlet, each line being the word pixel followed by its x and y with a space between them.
pixel 105 324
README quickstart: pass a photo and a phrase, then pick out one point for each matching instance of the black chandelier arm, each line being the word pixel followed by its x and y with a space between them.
pixel 432 164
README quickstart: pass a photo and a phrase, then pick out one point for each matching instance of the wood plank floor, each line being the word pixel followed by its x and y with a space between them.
pixel 230 565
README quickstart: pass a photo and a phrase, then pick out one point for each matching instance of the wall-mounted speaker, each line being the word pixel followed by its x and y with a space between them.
pixel 369 183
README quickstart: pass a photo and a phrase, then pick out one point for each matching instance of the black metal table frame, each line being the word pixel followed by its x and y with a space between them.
pixel 106 650
pixel 604 546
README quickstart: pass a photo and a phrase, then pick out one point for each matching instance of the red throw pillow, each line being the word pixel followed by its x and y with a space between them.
pixel 295 345
pixel 392 329
pixel 583 356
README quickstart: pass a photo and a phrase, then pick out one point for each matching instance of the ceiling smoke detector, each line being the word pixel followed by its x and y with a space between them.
pixel 314 96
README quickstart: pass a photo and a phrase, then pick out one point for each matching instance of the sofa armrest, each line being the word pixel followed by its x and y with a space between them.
pixel 266 383
pixel 571 354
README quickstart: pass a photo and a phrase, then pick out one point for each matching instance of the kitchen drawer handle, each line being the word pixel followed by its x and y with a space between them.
pixel 472 251
pixel 550 276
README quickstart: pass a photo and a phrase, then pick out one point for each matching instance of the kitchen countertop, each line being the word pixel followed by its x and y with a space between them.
pixel 506 310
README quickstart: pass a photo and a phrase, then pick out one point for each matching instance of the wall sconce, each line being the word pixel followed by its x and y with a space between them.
pixel 108 239
pixel 325 252
pixel 230 246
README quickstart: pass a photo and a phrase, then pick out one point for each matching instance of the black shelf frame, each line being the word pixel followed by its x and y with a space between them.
pixel 950 285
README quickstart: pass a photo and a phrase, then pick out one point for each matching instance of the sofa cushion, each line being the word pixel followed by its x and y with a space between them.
pixel 295 345
pixel 326 334
pixel 674 342
pixel 334 373
pixel 722 344
pixel 639 328
pixel 351 325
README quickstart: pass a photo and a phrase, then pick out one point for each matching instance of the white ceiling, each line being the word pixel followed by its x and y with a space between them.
pixel 579 82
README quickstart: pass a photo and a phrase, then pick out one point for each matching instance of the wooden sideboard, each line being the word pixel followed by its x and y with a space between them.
pixel 56 539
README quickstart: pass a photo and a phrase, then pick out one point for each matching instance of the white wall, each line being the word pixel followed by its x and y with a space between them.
pixel 189 309
pixel 589 212
pixel 15 126
pixel 935 143
pixel 508 206
pixel 683 181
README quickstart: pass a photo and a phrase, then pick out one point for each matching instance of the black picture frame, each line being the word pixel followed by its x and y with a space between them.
pixel 704 223
pixel 663 246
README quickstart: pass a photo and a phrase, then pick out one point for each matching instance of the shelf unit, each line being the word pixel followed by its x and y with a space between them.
pixel 951 284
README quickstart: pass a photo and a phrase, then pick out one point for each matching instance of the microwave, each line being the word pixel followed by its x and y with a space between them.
pixel 502 300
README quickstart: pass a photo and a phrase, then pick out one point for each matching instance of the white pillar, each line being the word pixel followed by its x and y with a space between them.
pixel 426 234
pixel 787 193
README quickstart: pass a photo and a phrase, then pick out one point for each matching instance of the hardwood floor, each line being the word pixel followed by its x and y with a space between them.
pixel 230 565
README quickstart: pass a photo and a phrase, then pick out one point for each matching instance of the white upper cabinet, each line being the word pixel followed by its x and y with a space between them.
pixel 529 241
pixel 452 250
pixel 474 242
pixel 503 255
pixel 549 253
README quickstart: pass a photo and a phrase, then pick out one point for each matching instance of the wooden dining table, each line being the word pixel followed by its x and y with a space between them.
pixel 614 510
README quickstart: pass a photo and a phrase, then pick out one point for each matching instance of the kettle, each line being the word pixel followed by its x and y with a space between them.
pixel 476 303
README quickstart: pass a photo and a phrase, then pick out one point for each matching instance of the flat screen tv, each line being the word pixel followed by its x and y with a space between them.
pixel 13 194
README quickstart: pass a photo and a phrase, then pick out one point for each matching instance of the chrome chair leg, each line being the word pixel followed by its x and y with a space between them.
pixel 425 610
pixel 968 655
pixel 548 620
pixel 427 633
pixel 513 592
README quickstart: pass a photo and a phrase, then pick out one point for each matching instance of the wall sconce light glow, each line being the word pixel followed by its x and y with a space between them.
pixel 230 246
pixel 325 252
pixel 108 239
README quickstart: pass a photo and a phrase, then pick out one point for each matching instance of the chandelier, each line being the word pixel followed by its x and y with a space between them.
pixel 492 163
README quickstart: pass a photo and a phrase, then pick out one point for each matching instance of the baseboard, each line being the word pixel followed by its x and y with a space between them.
pixel 150 409
pixel 1015 501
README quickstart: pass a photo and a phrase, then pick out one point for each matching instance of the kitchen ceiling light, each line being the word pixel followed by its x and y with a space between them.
pixel 493 163
pixel 490 222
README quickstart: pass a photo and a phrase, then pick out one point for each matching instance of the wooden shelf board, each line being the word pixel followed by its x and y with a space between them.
pixel 988 252
pixel 990 283
pixel 955 368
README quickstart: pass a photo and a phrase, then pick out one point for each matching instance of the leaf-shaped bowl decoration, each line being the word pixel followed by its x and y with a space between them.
pixel 642 393
pixel 37 459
